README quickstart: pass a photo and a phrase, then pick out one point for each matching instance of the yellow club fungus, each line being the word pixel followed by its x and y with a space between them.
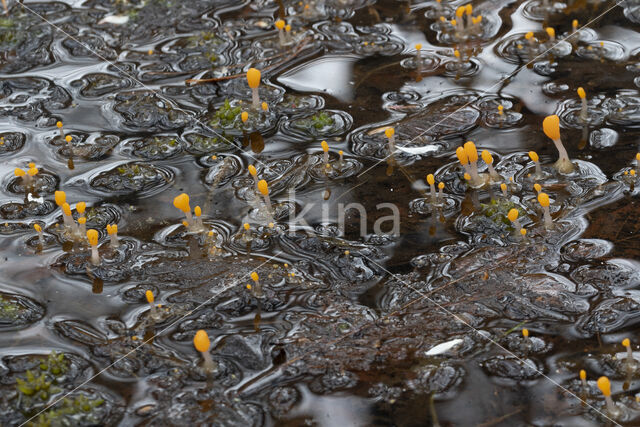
pixel 202 343
pixel 605 388
pixel 513 217
pixel 583 379
pixel 59 126
pixel 390 133
pixel 537 187
pixel 500 110
pixel 150 299
pixel 198 226
pixel 265 106
pixel 523 232
pixel 432 185
pixel 182 202
pixel 574 25
pixel 112 230
pixel 60 197
pixel 472 155
pixel 81 207
pixel 418 47
pixel 67 218
pixel 463 159
pixel 253 79
pixel 92 237
pixel 254 173
pixel 584 113
pixel 551 33
pixel 626 343
pixel 257 286
pixel 551 127
pixel 32 171
pixel 263 188
pixel 341 159
pixel 503 187
pixel 39 231
pixel 525 332
pixel 280 24
pixel 441 192
pixel 244 116
pixel 488 159
pixel 543 199
pixel 536 160
pixel 325 150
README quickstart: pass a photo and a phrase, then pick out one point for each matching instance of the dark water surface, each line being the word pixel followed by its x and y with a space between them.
pixel 419 328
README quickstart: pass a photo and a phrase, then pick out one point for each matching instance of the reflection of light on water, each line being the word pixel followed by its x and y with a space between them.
pixel 329 74
pixel 337 410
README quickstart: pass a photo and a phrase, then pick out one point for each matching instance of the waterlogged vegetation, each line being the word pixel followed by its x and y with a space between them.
pixel 338 212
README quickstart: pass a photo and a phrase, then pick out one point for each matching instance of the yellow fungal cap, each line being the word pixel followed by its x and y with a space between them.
pixel 604 385
pixel 456 53
pixel 280 24
pixel 537 187
pixel 583 374
pixel 430 179
pixel 529 35
pixel 487 157
pixel 287 28
pixel 460 11
pixel 469 9
pixel 252 170
pixel 503 186
pixel 254 276
pixel 574 23
pixel 201 341
pixel 37 227
pixel 543 199
pixel 472 152
pixel 197 211
pixel 389 132
pixel 513 214
pixel 81 207
pixel 467 176
pixel 462 156
pixel 264 106
pixel 66 209
pixel 418 46
pixel 185 223
pixel 82 220
pixel 246 226
pixel 263 188
pixel 523 231
pixel 626 342
pixel 68 138
pixel 244 116
pixel 525 332
pixel 341 152
pixel 441 185
pixel 112 228
pixel 182 202
pixel 19 172
pixel 638 157
pixel 500 108
pixel 325 146
pixel 550 32
pixel 92 237
pixel 32 171
pixel 31 165
pixel 581 93
pixel 551 127
pixel 253 78
pixel 454 22
pixel 534 156
pixel 59 124
pixel 149 296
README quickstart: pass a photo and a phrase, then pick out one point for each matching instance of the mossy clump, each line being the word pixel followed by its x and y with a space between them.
pixel 318 121
pixel 37 390
pixel 498 209
pixel 226 116
pixel 8 309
